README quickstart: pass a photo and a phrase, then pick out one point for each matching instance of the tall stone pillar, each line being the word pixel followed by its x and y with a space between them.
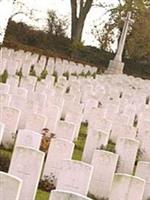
pixel 116 66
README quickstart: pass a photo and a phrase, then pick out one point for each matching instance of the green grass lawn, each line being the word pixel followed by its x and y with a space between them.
pixel 5 153
pixel 79 144
pixel 5 157
pixel 42 195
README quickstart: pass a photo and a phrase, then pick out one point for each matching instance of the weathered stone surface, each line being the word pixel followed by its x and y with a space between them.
pixel 127 187
pixel 26 163
pixel 75 176
pixel 96 139
pixel 143 171
pixel 104 164
pixel 66 195
pixel 58 151
pixel 127 150
pixel 10 187
pixel 28 138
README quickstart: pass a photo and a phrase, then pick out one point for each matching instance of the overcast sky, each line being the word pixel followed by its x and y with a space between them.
pixel 62 7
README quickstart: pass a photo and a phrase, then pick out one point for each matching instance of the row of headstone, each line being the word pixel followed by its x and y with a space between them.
pixel 75 179
pixel 20 59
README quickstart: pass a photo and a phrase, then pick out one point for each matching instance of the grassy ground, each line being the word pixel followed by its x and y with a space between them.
pixel 5 153
pixel 5 157
pixel 42 195
pixel 79 144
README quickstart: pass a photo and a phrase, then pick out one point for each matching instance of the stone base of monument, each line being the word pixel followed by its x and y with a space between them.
pixel 115 67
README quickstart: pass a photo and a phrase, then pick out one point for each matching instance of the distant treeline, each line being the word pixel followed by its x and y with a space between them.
pixel 22 36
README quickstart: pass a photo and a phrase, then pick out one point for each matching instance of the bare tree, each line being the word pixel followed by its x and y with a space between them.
pixel 79 11
pixel 20 8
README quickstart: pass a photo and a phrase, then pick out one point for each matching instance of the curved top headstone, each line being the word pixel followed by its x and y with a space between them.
pixel 10 186
pixel 66 195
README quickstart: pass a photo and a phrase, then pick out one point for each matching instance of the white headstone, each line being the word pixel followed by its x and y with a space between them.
pixel 104 164
pixel 122 130
pixel 13 81
pixel 4 100
pixel 66 195
pixel 36 122
pixel 75 118
pixel 4 88
pixel 10 117
pixel 26 163
pixel 28 138
pixel 65 130
pixel 127 187
pixel 143 171
pixel 20 91
pixel 37 100
pixel 68 101
pixel 75 176
pixel 53 115
pixel 10 187
pixel 58 151
pixel 144 137
pixel 101 124
pixel 95 140
pixel 127 150
pixel 19 102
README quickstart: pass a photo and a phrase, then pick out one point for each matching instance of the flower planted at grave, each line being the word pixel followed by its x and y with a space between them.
pixel 46 139
pixel 48 183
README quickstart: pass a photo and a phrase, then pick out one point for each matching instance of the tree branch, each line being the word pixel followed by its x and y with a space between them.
pixel 86 8
pixel 74 9
pixel 81 4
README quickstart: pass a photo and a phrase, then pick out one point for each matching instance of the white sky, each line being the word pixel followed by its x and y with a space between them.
pixel 62 7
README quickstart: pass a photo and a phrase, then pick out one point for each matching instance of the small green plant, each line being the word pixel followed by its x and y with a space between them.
pixel 110 147
pixel 55 75
pixel 82 74
pixel 74 74
pixel 88 74
pixel 80 142
pixel 66 74
pixel 5 157
pixel 4 163
pixel 38 78
pixel 44 73
pixel 32 71
pixel 4 76
pixel 19 73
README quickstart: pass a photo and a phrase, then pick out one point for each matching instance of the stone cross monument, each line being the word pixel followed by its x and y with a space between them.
pixel 116 66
